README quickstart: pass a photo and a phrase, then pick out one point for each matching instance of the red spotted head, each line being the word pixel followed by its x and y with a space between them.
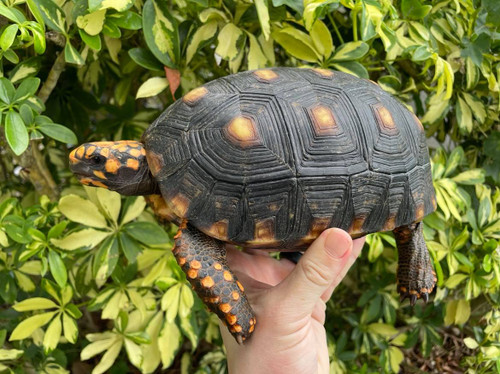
pixel 119 166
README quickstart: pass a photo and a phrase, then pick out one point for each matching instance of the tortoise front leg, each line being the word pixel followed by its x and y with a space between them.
pixel 416 277
pixel 203 259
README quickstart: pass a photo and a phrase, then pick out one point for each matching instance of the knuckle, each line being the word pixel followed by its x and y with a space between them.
pixel 316 273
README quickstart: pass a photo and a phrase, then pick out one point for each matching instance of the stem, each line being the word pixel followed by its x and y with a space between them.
pixel 32 159
pixel 355 25
pixel 335 28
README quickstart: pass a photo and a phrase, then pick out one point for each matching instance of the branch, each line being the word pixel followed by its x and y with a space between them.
pixel 52 78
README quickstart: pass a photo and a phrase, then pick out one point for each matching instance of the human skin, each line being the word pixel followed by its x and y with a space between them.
pixel 289 302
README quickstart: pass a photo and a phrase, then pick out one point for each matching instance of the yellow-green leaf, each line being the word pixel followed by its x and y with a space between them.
pixel 470 177
pixel 462 313
pixel 92 23
pixel 297 43
pixel 170 302
pixel 322 38
pixel 455 280
pixel 119 5
pixel 229 42
pixel 471 343
pixel 256 58
pixel 464 116
pixel 4 242
pixel 395 358
pixel 134 210
pixel 350 51
pixel 169 342
pixel 202 34
pixel 263 14
pixel 24 281
pixel 35 303
pixel 26 327
pixel 83 238
pixel 52 335
pixel 113 307
pixel 108 359
pixel 186 301
pixel 81 210
pixel 382 329
pixel 10 354
pixel 152 87
pixel 70 328
pixel 134 352
pixel 98 345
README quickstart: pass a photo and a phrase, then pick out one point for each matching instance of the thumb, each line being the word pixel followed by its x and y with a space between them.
pixel 316 272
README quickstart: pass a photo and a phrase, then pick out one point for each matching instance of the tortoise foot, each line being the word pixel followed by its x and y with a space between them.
pixel 203 259
pixel 416 276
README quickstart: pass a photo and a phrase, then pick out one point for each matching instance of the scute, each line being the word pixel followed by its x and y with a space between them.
pixel 270 158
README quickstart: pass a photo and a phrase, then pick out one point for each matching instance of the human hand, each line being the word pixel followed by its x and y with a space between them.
pixel 289 304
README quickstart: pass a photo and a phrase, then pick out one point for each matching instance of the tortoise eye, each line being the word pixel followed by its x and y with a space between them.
pixel 97 160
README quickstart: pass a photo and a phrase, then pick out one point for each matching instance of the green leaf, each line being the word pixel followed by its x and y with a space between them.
pixel 16 132
pixel 12 14
pixel 58 268
pixel 36 13
pixel 109 358
pixel 200 37
pixel 8 36
pixel 462 312
pixel 476 106
pixel 93 42
pixel 263 15
pixel 147 233
pixel 161 32
pixel 476 48
pixel 72 56
pixel 86 238
pixel 152 87
pixel 129 247
pixel 26 89
pixel 105 260
pixel 81 210
pixel 145 58
pixel 52 335
pixel 229 42
pixel 7 90
pixel 58 132
pixel 128 20
pixel 350 51
pixel 297 43
pixel 413 9
pixel 34 303
pixel 24 69
pixel 464 116
pixel 455 280
pixel 29 325
pixel 352 67
pixel 322 39
pixel 52 15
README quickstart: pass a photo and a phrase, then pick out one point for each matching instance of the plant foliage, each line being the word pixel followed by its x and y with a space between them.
pixel 87 278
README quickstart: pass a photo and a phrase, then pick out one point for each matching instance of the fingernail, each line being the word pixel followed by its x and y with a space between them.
pixel 337 243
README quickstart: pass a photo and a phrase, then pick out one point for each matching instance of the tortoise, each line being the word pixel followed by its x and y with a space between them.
pixel 269 159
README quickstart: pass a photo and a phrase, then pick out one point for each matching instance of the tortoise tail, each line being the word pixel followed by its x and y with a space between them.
pixel 416 277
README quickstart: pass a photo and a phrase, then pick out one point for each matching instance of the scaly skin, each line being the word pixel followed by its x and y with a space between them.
pixel 416 277
pixel 203 259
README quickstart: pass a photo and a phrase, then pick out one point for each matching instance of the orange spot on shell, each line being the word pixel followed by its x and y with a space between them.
pixel 135 152
pixel 323 72
pixel 181 261
pixel 384 118
pixel 207 282
pixel 250 330
pixel 217 266
pixel 240 286
pixel 252 321
pixel 390 224
pixel 180 205
pixel 225 308
pixel 219 229
pixel 192 273
pixel 112 165
pixel 266 75
pixel 155 162
pixel 227 276
pixel 419 214
pixel 237 328
pixel 194 95
pixel 243 131
pixel 214 300
pixel 323 120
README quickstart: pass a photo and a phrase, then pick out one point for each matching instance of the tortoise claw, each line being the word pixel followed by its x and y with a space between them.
pixel 425 297
pixel 413 300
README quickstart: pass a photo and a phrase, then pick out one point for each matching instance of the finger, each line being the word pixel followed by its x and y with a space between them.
pixel 357 245
pixel 323 261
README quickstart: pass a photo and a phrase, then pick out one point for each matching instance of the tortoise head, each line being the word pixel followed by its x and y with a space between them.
pixel 119 166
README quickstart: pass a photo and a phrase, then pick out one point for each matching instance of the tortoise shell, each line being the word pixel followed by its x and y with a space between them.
pixel 271 158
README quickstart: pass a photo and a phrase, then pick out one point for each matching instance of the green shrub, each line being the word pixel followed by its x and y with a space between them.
pixel 87 278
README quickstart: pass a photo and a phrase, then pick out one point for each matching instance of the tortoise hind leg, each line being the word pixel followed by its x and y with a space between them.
pixel 416 277
pixel 203 259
